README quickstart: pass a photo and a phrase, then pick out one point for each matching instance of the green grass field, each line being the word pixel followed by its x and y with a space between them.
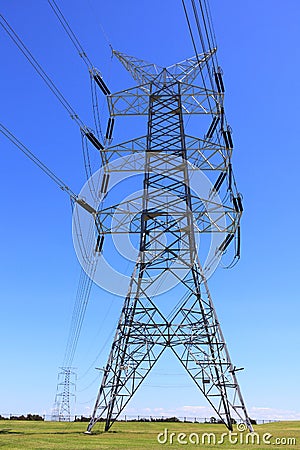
pixel 15 435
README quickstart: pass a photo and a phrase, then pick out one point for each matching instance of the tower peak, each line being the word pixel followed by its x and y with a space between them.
pixel 146 72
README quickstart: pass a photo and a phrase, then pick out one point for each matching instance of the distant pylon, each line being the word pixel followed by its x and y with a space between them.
pixel 65 395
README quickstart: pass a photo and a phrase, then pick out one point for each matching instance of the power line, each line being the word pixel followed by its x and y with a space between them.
pixel 204 48
pixel 48 81
pixel 35 64
pixel 37 161
pixel 195 46
pixel 47 171
pixel 96 79
pixel 207 24
pixel 86 280
pixel 190 29
pixel 94 73
pixel 208 41
pixel 198 26
pixel 57 11
pixel 82 298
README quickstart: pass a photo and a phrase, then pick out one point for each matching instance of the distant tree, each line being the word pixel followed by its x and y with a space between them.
pixel 212 420
pixel 34 417
pixel 28 417
pixel 82 419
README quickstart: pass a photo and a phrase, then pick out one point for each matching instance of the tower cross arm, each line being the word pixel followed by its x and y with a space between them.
pixel 140 70
pixel 146 72
pixel 188 69
pixel 135 101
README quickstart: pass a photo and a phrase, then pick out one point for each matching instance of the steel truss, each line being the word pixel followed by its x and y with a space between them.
pixel 66 387
pixel 170 218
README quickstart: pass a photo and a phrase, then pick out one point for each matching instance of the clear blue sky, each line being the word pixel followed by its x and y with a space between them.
pixel 257 302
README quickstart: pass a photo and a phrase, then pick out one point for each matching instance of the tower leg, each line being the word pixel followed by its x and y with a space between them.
pixel 134 352
pixel 200 346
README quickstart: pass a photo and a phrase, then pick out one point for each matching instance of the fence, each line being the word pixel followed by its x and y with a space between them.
pixel 122 418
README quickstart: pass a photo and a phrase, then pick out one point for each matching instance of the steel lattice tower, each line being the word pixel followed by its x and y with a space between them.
pixel 168 221
pixel 170 208
pixel 66 386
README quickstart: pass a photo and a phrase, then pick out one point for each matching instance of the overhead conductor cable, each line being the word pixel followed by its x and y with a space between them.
pixel 93 71
pixel 16 39
pixel 46 170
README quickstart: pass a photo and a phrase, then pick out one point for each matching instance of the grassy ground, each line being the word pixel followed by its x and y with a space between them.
pixel 16 435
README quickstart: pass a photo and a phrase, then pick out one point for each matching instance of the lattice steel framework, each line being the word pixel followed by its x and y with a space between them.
pixel 171 218
pixel 66 387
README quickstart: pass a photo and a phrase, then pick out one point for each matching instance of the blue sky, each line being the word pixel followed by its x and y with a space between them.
pixel 257 302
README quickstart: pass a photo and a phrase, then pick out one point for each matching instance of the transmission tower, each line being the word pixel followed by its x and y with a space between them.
pixel 168 223
pixel 66 387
